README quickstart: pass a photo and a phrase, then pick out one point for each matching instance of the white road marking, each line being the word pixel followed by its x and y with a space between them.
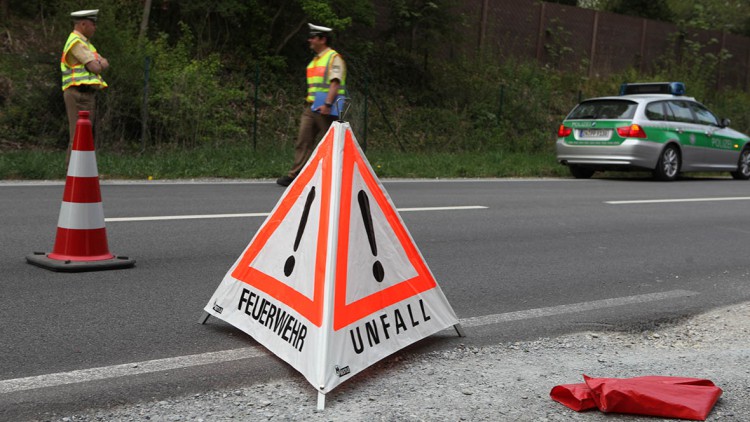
pixel 185 217
pixel 573 308
pixel 137 368
pixel 457 208
pixel 669 201
pixel 151 366
pixel 265 214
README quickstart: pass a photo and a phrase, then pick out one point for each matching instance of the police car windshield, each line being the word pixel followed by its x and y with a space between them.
pixel 604 109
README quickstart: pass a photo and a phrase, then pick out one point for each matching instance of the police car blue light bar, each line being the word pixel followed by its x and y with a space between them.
pixel 673 88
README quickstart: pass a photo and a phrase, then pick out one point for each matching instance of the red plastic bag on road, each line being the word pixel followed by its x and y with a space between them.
pixel 578 397
pixel 670 397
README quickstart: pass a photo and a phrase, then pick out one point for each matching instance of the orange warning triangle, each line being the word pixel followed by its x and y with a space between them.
pixel 274 261
pixel 377 262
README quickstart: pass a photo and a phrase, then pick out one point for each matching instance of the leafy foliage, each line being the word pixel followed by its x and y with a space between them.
pixel 206 68
pixel 190 104
pixel 720 15
pixel 728 15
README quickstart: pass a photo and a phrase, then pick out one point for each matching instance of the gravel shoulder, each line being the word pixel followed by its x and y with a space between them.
pixel 509 382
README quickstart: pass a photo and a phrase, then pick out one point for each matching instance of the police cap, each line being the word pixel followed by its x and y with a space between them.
pixel 320 30
pixel 85 14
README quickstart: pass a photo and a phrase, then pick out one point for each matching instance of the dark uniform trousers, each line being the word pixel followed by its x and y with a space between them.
pixel 312 125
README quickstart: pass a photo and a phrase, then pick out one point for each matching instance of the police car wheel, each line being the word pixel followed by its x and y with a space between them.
pixel 669 164
pixel 743 166
pixel 581 172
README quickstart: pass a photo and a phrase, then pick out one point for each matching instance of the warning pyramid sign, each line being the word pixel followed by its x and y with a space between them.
pixel 332 282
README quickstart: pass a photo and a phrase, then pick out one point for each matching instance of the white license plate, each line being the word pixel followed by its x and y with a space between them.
pixel 595 133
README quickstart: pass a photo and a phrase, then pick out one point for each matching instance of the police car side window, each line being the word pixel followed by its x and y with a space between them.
pixel 704 116
pixel 681 111
pixel 655 111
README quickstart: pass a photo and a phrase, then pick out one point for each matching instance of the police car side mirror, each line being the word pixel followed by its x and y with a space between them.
pixel 725 122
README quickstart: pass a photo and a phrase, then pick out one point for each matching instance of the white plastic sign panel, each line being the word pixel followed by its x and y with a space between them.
pixel 333 282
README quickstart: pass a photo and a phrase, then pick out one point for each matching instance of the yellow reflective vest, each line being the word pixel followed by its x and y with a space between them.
pixel 317 75
pixel 78 74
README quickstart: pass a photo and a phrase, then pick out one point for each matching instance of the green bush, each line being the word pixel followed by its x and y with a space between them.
pixel 192 101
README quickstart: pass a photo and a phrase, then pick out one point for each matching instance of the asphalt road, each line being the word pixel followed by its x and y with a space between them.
pixel 544 257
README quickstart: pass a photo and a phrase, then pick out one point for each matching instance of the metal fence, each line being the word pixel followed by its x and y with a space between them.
pixel 601 43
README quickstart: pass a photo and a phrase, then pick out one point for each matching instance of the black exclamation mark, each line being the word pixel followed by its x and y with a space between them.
pixel 364 206
pixel 289 265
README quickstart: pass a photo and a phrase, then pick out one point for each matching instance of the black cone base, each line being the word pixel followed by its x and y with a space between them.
pixel 40 259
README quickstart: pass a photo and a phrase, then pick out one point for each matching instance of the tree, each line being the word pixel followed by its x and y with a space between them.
pixel 423 22
pixel 144 20
pixel 650 9
pixel 565 2
pixel 256 28
pixel 720 15
pixel 3 10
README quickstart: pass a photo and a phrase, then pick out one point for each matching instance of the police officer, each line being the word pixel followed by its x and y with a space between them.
pixel 326 83
pixel 81 67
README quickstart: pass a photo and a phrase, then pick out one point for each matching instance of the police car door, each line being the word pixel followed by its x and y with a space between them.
pixel 719 152
pixel 692 138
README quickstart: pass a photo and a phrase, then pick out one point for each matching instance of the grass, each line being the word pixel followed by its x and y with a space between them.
pixel 244 163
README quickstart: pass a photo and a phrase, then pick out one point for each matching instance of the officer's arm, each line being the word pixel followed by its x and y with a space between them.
pixel 94 62
pixel 98 65
pixel 333 89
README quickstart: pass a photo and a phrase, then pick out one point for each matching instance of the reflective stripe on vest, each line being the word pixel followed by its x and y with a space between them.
pixel 317 76
pixel 78 74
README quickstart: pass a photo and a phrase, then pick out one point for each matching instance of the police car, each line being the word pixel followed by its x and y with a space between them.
pixel 650 126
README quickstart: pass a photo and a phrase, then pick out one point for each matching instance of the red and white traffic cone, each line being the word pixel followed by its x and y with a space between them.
pixel 81 242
